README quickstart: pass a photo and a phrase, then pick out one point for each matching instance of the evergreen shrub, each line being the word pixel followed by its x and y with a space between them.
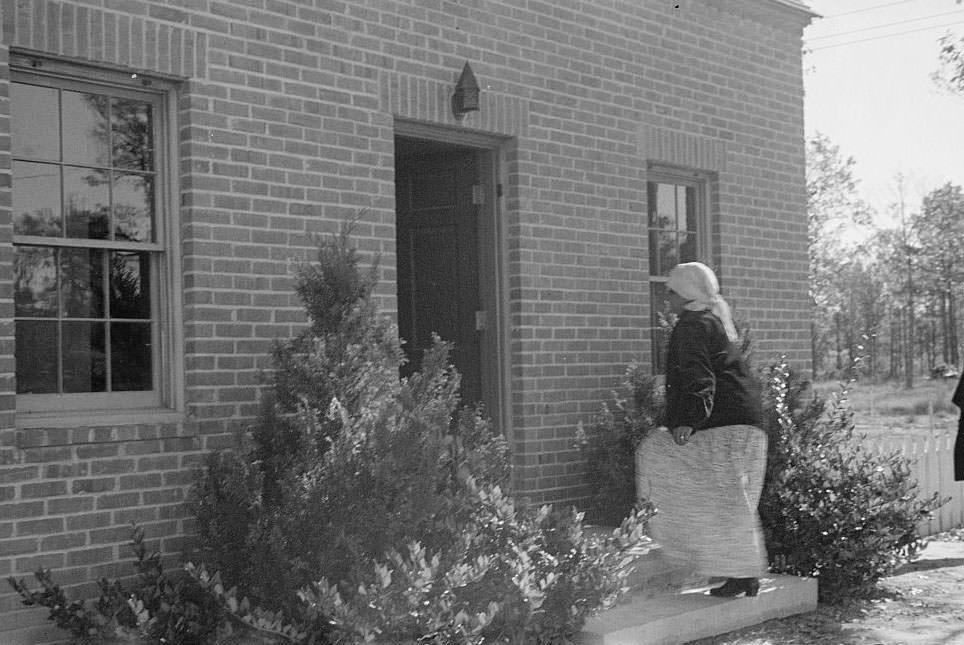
pixel 363 505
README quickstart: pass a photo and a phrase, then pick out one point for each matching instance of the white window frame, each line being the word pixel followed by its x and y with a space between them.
pixel 700 182
pixel 167 356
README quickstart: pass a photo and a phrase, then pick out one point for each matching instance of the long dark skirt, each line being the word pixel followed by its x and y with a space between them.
pixel 706 494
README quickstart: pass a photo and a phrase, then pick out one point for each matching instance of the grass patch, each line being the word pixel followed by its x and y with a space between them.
pixel 889 409
pixel 894 400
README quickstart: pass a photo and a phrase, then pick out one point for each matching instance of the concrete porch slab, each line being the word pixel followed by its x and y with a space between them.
pixel 694 614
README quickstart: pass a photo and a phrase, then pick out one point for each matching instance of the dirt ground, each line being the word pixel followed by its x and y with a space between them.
pixel 921 604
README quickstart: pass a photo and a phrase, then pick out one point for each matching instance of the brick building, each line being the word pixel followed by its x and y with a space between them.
pixel 164 162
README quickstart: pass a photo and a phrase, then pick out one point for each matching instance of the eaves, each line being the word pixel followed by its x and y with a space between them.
pixel 798 6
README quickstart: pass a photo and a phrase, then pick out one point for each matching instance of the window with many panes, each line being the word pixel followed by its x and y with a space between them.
pixel 677 223
pixel 88 186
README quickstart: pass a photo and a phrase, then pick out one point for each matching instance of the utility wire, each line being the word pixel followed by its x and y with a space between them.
pixel 886 24
pixel 881 6
pixel 882 36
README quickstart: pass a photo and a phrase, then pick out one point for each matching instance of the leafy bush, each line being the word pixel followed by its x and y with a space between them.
pixel 160 608
pixel 512 575
pixel 611 441
pixel 831 508
pixel 349 465
pixel 109 618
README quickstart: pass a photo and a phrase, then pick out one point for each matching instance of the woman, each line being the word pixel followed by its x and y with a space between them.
pixel 705 471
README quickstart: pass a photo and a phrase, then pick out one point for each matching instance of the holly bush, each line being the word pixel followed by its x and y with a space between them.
pixel 609 445
pixel 831 508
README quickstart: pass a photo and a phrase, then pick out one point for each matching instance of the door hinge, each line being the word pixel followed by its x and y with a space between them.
pixel 478 195
pixel 498 190
pixel 480 321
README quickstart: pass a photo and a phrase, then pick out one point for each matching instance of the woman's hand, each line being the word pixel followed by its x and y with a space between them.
pixel 681 434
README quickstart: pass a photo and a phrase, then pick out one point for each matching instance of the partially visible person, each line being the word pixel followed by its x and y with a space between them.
pixel 958 400
pixel 704 471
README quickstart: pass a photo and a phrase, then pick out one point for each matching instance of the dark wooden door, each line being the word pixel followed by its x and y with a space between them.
pixel 438 266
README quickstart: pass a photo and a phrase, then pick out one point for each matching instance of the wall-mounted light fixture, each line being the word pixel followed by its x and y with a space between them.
pixel 466 96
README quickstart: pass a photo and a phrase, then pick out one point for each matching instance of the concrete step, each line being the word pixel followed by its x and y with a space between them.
pixel 655 575
pixel 652 573
pixel 693 614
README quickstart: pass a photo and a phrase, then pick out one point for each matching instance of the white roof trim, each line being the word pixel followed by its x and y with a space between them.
pixel 798 6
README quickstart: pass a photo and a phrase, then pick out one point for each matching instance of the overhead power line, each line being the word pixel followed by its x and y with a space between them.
pixel 881 6
pixel 886 24
pixel 883 36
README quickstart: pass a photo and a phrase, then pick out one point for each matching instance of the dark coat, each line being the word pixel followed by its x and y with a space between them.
pixel 708 384
pixel 958 400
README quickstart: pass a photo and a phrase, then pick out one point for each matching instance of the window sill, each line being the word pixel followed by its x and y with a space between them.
pixel 97 426
pixel 97 418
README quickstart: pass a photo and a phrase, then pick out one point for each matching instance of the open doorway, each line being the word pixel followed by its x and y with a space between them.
pixel 448 271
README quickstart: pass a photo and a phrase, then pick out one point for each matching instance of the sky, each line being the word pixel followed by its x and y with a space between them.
pixel 867 78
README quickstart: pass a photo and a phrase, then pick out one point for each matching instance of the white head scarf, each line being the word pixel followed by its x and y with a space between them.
pixel 697 283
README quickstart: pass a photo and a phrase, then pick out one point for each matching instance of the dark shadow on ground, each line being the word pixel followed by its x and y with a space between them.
pixel 954 639
pixel 825 626
pixel 927 565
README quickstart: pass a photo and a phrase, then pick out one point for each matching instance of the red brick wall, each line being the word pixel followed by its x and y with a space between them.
pixel 285 127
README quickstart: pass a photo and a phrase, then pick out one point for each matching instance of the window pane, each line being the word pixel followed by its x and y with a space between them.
pixel 36 356
pixel 651 189
pixel 654 254
pixel 664 245
pixel 85 128
pixel 36 199
pixel 88 200
pixel 659 302
pixel 34 110
pixel 659 311
pixel 662 206
pixel 35 282
pixel 82 282
pixel 687 247
pixel 669 205
pixel 130 285
pixel 133 207
pixel 85 364
pixel 132 137
pixel 130 360
pixel 680 220
pixel 692 222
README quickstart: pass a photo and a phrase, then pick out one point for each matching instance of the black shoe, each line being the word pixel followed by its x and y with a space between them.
pixel 735 586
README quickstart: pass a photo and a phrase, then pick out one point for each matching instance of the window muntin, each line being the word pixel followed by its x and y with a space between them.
pixel 677 224
pixel 88 248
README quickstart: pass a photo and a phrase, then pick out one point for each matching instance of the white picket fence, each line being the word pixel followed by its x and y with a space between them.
pixel 932 463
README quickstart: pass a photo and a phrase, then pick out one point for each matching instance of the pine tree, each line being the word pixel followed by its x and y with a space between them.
pixel 346 459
